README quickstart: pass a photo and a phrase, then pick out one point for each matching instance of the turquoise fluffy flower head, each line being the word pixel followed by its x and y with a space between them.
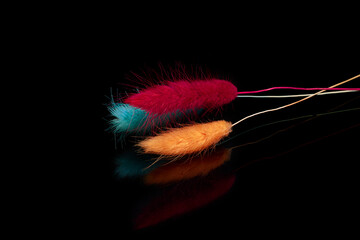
pixel 126 118
pixel 132 120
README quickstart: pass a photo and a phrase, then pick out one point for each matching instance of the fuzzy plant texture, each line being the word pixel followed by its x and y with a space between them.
pixel 186 140
pixel 128 119
pixel 183 95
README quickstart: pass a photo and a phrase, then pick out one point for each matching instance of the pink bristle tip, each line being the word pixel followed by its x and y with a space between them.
pixel 182 95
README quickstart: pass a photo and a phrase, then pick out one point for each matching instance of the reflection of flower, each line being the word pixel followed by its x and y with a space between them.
pixel 189 168
pixel 130 164
pixel 183 198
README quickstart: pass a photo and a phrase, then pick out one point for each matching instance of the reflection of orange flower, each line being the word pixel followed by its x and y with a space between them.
pixel 197 166
pixel 182 199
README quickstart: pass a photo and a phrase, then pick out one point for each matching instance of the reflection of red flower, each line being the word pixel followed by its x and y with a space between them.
pixel 183 198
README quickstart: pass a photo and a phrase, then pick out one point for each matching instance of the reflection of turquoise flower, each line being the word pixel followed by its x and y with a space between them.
pixel 129 164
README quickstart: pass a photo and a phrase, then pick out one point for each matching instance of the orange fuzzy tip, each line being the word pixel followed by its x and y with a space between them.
pixel 199 166
pixel 186 140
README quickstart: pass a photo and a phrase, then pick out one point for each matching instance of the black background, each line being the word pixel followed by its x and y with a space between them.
pixel 312 188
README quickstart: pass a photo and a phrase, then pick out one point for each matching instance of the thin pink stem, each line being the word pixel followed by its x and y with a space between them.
pixel 297 88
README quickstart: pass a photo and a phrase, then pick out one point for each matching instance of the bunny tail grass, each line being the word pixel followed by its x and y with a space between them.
pixel 186 140
pixel 183 95
pixel 132 120
pixel 126 118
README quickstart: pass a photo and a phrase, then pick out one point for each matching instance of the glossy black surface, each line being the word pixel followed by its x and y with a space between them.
pixel 299 180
